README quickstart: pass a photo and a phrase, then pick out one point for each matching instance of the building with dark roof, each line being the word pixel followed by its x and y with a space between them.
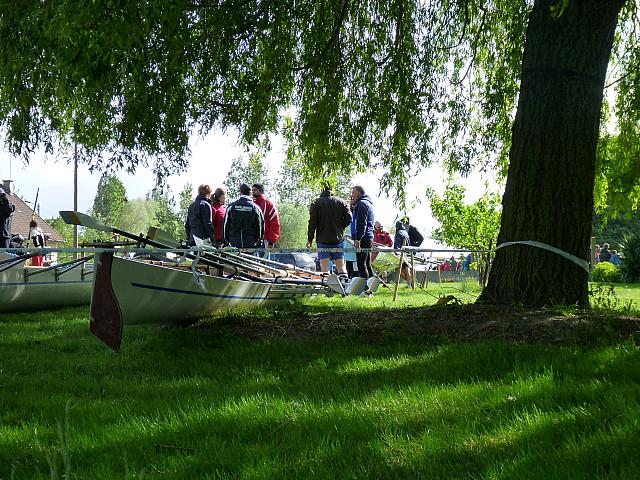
pixel 24 214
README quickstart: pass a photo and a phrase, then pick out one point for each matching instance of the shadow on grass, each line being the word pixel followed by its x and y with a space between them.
pixel 229 407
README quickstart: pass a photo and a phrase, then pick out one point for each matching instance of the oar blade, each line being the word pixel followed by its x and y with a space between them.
pixel 160 236
pixel 334 284
pixel 77 218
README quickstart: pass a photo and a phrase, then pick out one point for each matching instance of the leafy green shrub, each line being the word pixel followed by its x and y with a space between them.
pixel 606 272
pixel 630 266
pixel 604 299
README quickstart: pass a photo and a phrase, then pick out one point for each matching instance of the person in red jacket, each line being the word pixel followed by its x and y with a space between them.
pixel 380 238
pixel 218 207
pixel 270 213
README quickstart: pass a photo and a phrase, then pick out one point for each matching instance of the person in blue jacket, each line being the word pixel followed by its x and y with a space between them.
pixel 362 229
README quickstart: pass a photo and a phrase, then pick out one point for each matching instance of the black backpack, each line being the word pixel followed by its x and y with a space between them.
pixel 415 238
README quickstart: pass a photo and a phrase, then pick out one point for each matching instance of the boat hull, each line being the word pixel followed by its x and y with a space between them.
pixel 149 294
pixel 135 292
pixel 21 292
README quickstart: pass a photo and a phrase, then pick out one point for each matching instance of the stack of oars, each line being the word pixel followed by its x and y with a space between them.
pixel 238 264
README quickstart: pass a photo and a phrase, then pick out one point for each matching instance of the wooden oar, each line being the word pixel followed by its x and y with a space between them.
pixel 250 261
pixel 83 220
pixel 246 261
pixel 237 259
pixel 286 266
pixel 157 234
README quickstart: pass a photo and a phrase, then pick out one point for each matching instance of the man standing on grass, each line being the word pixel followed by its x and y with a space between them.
pixel 400 241
pixel 363 230
pixel 328 217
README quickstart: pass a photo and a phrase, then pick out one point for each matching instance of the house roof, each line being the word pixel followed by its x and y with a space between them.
pixel 23 215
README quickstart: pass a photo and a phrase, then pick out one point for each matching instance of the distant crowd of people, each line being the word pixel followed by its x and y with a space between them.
pixel 253 221
pixel 461 264
pixel 604 254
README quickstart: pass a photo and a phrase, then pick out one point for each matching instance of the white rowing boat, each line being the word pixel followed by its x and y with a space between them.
pixel 143 292
pixel 26 288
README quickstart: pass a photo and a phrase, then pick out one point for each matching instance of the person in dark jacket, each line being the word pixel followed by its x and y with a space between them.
pixel 328 217
pixel 401 240
pixel 415 237
pixel 200 217
pixel 362 229
pixel 6 212
pixel 243 221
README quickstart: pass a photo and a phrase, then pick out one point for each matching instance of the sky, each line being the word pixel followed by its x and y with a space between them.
pixel 209 162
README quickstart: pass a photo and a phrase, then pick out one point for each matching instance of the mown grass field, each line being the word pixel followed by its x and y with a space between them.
pixel 186 403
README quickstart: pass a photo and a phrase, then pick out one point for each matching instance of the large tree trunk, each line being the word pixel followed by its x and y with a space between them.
pixel 549 192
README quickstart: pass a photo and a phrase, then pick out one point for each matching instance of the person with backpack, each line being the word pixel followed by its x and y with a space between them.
pixel 6 212
pixel 401 240
pixel 415 237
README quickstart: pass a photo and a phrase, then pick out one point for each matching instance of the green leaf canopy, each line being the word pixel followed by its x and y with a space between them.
pixel 369 81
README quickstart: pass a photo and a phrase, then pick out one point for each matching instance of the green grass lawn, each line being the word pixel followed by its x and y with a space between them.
pixel 627 293
pixel 186 403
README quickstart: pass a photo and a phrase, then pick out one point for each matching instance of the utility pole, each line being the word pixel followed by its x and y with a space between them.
pixel 75 197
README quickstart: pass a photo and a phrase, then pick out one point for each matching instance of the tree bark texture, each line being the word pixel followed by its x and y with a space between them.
pixel 549 192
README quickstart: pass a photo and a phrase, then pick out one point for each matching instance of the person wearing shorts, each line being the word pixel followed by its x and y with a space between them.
pixel 328 217
pixel 331 252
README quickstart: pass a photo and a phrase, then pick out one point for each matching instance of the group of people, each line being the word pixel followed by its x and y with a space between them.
pixel 251 221
pixel 330 215
pixel 604 254
pixel 461 264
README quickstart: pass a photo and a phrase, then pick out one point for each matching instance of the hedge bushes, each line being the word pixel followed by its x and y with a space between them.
pixel 606 272
pixel 630 266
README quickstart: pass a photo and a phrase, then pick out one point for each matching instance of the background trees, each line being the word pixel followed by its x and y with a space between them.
pixel 246 170
pixel 110 199
pixel 471 226
pixel 166 215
